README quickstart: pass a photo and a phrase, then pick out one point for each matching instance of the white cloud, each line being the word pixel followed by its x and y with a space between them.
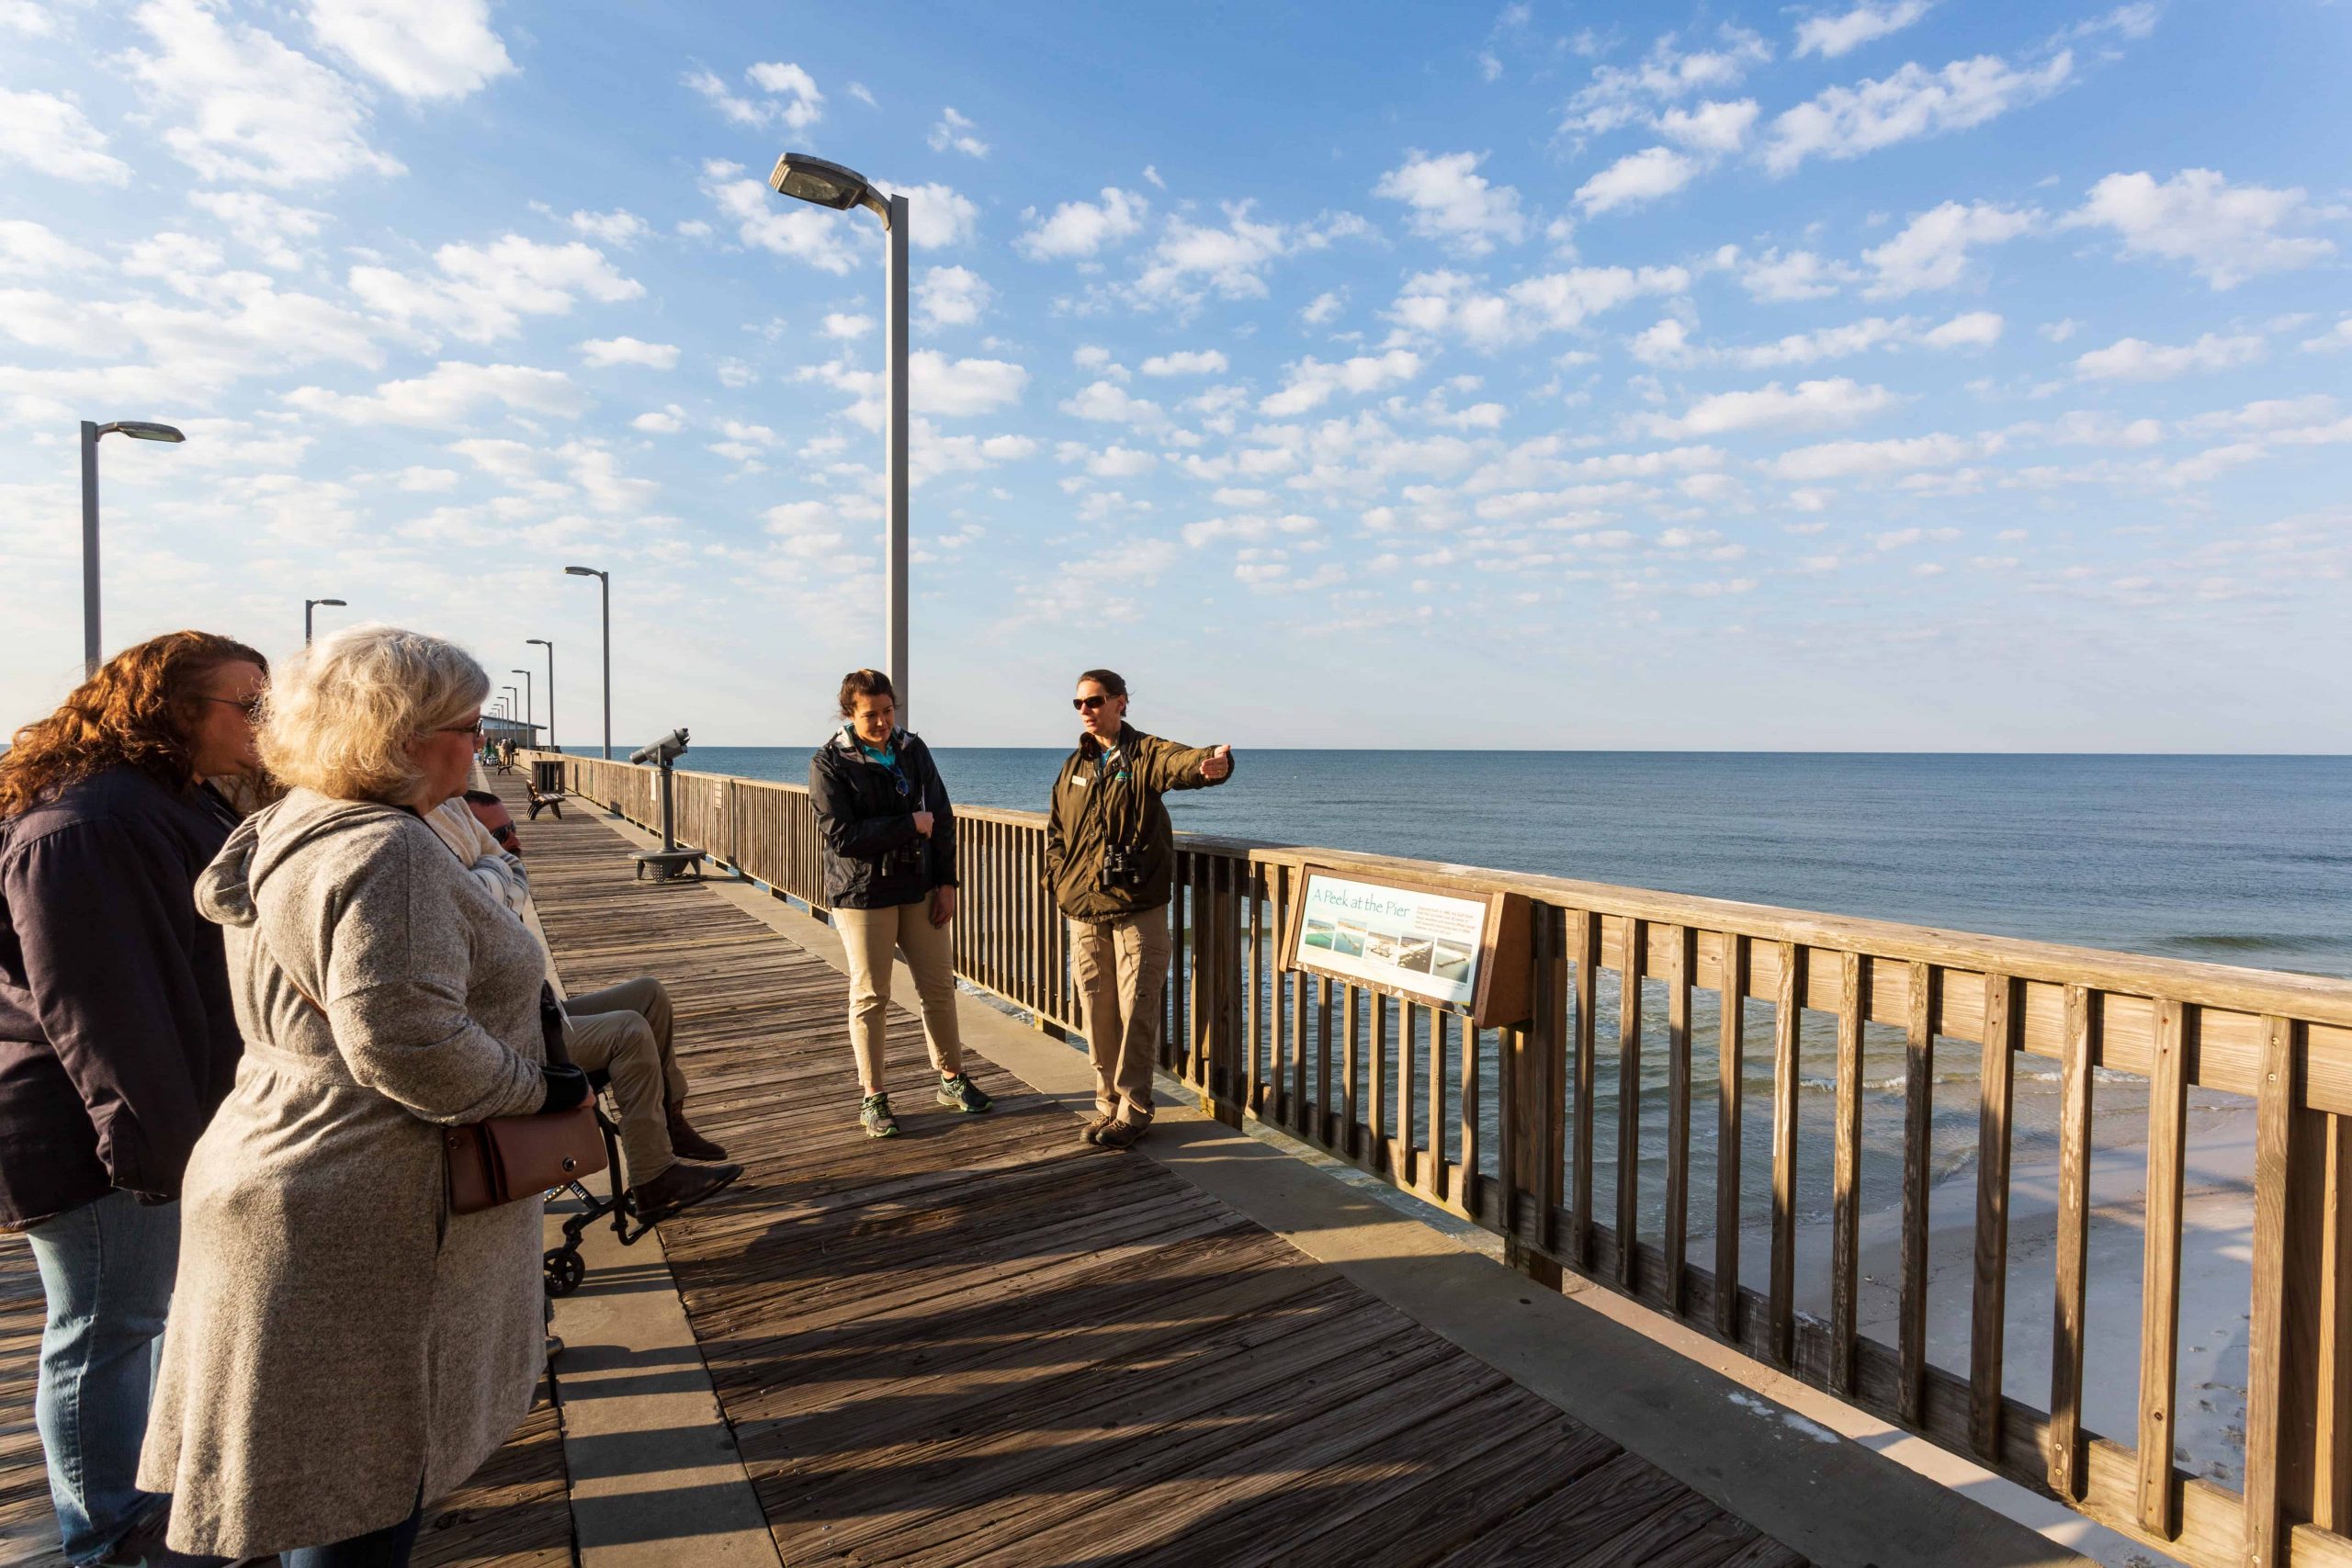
pixel 599 352
pixel 668 420
pixel 26 18
pixel 954 133
pixel 1110 403
pixel 770 222
pixel 940 215
pixel 848 328
pixel 1975 329
pixel 1230 261
pixel 807 527
pixel 1620 95
pixel 1848 460
pixel 1079 229
pixel 175 258
pixel 246 106
pixel 1775 278
pixel 951 297
pixel 1847 122
pixel 445 50
pixel 619 226
pixel 1711 128
pixel 482 293
pixel 1638 176
pixel 1116 462
pixel 2134 359
pixel 1451 203
pixel 1809 405
pixel 1322 308
pixel 1311 383
pixel 53 136
pixel 1557 302
pixel 1832 35
pixel 1932 250
pixel 1186 361
pixel 961 387
pixel 783 95
pixel 450 395
pixel 262 223
pixel 29 250
pixel 2336 338
pixel 2226 233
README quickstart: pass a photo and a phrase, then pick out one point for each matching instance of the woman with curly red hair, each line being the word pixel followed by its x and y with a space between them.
pixel 117 1039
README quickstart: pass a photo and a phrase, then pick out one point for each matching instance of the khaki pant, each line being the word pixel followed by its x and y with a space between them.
pixel 870 936
pixel 624 1031
pixel 1120 969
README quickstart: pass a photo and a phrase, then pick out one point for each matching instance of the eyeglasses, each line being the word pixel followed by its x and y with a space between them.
pixel 505 833
pixel 474 729
pixel 1088 704
pixel 249 707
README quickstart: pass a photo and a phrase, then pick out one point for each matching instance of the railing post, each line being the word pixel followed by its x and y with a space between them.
pixel 1534 1109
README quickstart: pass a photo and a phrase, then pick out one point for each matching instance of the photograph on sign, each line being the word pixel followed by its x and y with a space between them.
pixel 1400 938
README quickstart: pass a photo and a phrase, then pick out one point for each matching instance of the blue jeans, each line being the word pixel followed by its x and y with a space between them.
pixel 106 1269
pixel 386 1548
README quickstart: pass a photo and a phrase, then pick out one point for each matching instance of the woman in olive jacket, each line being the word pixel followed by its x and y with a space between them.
pixel 890 837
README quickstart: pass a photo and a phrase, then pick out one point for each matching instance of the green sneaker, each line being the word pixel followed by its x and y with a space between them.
pixel 958 1092
pixel 875 1116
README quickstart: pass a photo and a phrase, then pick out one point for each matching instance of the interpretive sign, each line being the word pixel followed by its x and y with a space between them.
pixel 1464 951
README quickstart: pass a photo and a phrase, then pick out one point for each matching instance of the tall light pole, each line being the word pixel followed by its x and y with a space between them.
pixel 605 593
pixel 137 430
pixel 542 642
pixel 829 184
pixel 307 606
pixel 529 712
pixel 513 705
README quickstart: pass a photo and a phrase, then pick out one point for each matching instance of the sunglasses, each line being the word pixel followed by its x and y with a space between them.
pixel 506 834
pixel 1088 704
pixel 249 707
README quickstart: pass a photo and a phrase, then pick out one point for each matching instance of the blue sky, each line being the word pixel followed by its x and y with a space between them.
pixel 1882 376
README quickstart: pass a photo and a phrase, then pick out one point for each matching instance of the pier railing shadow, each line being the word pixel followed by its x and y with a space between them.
pixel 1685 1064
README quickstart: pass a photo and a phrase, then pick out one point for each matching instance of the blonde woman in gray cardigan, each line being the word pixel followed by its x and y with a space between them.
pixel 342 1350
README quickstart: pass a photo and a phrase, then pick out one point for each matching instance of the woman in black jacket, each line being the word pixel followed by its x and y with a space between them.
pixel 118 1039
pixel 890 881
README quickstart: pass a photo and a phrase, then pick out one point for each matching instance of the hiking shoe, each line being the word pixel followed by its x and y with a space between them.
pixel 958 1092
pixel 1122 1134
pixel 684 1184
pixel 875 1116
pixel 687 1144
pixel 1093 1130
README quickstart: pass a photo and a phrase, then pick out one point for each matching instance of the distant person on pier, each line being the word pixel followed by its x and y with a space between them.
pixel 117 1039
pixel 624 1031
pixel 1111 861
pixel 890 880
pixel 343 1347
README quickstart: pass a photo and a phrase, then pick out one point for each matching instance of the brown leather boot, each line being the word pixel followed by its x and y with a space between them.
pixel 682 1184
pixel 1094 1128
pixel 687 1144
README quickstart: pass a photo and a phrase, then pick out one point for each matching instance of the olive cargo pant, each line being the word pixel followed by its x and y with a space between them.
pixel 1120 970
pixel 869 938
pixel 624 1031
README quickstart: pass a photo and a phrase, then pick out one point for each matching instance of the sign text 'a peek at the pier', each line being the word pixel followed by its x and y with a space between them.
pixel 1464 951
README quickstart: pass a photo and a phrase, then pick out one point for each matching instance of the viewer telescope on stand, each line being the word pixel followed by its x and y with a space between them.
pixel 669 860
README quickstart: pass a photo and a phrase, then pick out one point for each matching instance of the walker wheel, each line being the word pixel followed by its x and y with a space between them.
pixel 565 1271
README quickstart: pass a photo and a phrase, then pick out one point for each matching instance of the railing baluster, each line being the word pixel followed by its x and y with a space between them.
pixel 1341 1133
pixel 1434 1178
pixel 1587 939
pixel 1629 1101
pixel 2160 1265
pixel 2274 1115
pixel 1731 1068
pixel 1682 948
pixel 2079 1046
pixel 2004 1023
pixel 1846 1222
pixel 1320 1127
pixel 1253 975
pixel 1468 1133
pixel 1279 1032
pixel 1786 1016
pixel 1918 1127
pixel 1376 1085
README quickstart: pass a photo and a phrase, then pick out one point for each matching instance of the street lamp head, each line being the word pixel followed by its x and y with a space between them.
pixel 826 184
pixel 340 603
pixel 582 571
pixel 139 430
pixel 538 642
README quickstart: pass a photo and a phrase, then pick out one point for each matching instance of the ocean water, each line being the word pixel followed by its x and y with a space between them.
pixel 2232 860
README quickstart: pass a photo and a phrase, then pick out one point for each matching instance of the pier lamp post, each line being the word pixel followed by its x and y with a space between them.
pixel 513 705
pixel 542 642
pixel 307 604
pixel 829 184
pixel 604 592
pixel 530 710
pixel 138 429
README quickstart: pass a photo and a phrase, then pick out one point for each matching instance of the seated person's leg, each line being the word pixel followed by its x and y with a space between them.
pixel 649 999
pixel 622 1045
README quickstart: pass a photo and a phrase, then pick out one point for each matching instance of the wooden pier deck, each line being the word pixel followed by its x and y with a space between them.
pixel 985 1343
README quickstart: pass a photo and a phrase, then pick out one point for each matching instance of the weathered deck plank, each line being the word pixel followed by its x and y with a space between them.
pixel 982 1342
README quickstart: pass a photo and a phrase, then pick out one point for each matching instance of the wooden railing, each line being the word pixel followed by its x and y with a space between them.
pixel 1507 1128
